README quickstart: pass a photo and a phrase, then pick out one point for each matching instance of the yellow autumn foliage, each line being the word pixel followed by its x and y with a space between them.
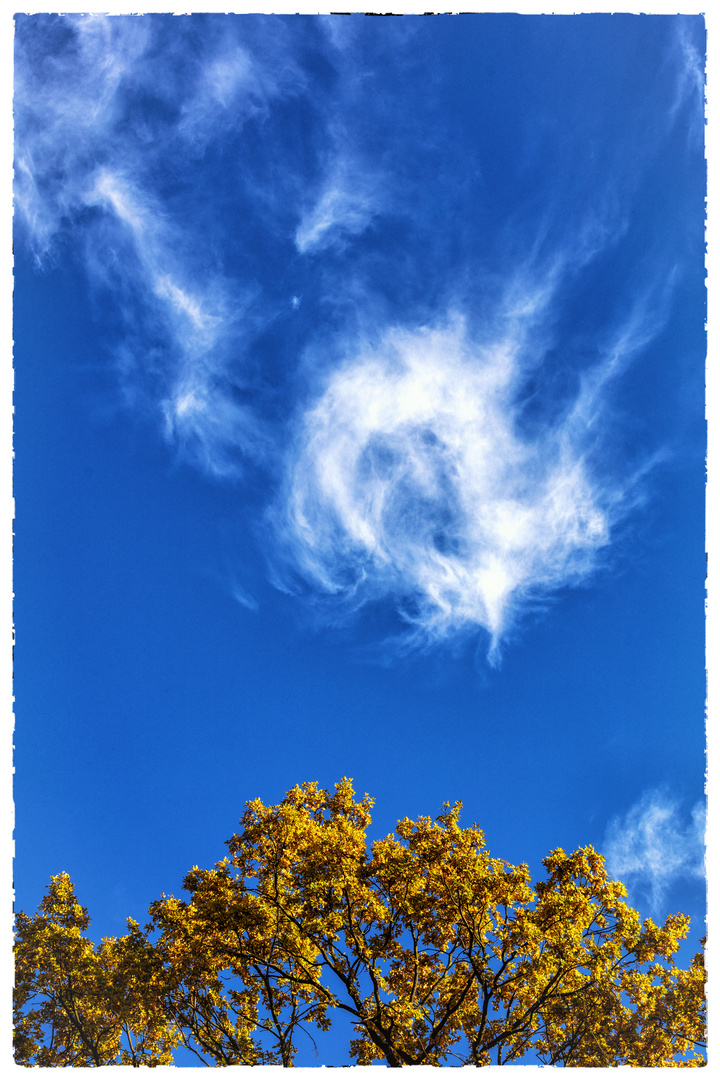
pixel 439 953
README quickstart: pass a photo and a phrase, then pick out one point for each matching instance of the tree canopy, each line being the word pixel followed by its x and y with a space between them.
pixel 439 954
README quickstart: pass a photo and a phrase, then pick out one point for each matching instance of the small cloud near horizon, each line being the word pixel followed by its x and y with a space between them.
pixel 654 845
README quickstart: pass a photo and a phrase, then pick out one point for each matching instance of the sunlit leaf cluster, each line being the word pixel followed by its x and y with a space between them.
pixel 439 954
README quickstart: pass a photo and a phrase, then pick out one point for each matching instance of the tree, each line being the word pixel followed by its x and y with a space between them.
pixel 439 953
pixel 76 1004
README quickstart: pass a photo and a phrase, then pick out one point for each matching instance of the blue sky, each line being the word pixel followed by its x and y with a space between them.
pixel 359 376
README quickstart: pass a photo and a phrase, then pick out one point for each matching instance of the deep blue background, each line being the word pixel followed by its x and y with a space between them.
pixel 151 705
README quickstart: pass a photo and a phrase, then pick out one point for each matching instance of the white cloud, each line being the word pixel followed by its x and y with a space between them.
pixel 107 107
pixel 75 81
pixel 196 316
pixel 231 80
pixel 80 149
pixel 411 479
pixel 199 410
pixel 239 80
pixel 691 71
pixel 348 201
pixel 67 111
pixel 243 597
pixel 654 845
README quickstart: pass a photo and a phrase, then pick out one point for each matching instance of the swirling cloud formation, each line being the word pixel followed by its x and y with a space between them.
pixel 412 477
pixel 241 194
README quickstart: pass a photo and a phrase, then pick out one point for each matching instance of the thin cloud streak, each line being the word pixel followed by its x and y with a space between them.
pixel 691 71
pixel 411 481
pixel 347 204
pixel 198 407
pixel 85 163
pixel 654 845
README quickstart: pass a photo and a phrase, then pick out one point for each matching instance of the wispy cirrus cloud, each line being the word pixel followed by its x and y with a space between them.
pixel 212 171
pixel 68 103
pixel 414 479
pixel 127 94
pixel 655 844
pixel 236 85
pixel 201 323
pixel 349 199
pixel 690 67
pixel 103 117
pixel 115 118
pixel 369 165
